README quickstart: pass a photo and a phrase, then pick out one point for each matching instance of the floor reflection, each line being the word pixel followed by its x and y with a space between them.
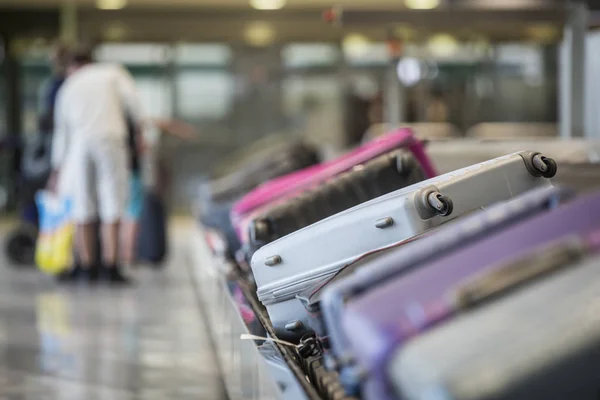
pixel 147 342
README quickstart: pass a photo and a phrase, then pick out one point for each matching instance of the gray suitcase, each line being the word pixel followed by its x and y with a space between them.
pixel 285 267
pixel 528 340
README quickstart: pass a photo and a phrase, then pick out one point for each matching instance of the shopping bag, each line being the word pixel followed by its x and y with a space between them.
pixel 54 247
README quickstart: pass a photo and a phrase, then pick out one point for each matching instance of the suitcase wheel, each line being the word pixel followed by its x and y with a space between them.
pixel 546 166
pixel 20 247
pixel 259 231
pixel 309 346
pixel 442 204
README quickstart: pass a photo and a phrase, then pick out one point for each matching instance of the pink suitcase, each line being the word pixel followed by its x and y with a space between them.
pixel 263 197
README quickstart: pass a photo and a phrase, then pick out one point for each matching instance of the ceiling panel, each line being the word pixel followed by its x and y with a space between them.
pixel 295 4
pixel 207 3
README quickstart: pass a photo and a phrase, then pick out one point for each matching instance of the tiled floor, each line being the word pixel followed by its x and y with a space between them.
pixel 147 342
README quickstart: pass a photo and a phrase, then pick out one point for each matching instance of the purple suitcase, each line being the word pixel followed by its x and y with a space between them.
pixel 548 299
pixel 325 302
pixel 380 321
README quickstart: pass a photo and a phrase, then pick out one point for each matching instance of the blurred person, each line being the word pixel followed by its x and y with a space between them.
pixel 140 148
pixel 91 132
pixel 59 57
pixel 129 229
pixel 32 156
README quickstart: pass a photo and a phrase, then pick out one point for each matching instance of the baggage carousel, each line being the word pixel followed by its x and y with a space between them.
pixel 252 369
pixel 262 369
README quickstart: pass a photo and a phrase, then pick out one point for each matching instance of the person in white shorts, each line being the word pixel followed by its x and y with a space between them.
pixel 91 133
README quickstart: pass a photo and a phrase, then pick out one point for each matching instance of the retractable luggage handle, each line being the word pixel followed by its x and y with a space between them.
pixel 430 202
pixel 564 253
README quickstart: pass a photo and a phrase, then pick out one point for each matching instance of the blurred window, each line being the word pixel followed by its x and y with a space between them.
pixel 34 75
pixel 203 54
pixel 133 54
pixel 204 94
pixel 313 104
pixel 528 60
pixel 364 54
pixel 310 55
pixel 204 86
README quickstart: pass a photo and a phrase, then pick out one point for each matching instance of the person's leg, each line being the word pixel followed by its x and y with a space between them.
pixel 113 174
pixel 84 214
pixel 130 225
pixel 86 244
pixel 110 243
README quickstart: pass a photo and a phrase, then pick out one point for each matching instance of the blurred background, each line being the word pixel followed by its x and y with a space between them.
pixel 476 78
pixel 239 70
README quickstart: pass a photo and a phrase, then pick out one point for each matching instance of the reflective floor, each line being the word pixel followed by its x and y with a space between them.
pixel 146 342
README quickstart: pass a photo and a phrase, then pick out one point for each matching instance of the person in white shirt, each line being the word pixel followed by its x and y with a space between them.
pixel 90 145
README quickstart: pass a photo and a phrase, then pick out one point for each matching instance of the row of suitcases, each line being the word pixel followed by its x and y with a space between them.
pixel 400 284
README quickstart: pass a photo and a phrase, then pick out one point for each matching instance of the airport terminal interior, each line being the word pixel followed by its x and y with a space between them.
pixel 326 199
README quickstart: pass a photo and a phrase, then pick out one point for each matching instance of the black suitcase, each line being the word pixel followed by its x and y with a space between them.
pixel 152 237
pixel 218 196
pixel 281 160
pixel 382 175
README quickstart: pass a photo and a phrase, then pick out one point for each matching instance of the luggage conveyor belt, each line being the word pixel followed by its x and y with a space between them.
pixel 247 374
pixel 249 371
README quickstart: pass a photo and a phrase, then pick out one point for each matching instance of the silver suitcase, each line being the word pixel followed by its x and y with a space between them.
pixel 538 341
pixel 289 265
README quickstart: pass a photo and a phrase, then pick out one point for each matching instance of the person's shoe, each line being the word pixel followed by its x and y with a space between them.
pixel 90 275
pixel 116 277
pixel 71 275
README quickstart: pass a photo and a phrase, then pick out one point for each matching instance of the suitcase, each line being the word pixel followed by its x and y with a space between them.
pixel 280 372
pixel 152 238
pixel 218 196
pixel 324 302
pixel 244 211
pixel 375 178
pixel 281 160
pixel 540 340
pixel 410 304
pixel 284 268
pixel 258 149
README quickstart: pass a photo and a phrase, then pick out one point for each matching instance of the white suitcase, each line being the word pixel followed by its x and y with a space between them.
pixel 289 265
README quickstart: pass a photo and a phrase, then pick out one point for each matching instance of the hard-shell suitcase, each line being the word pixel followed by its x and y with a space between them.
pixel 152 239
pixel 257 201
pixel 280 372
pixel 281 160
pixel 384 174
pixel 219 195
pixel 414 302
pixel 284 268
pixel 513 340
pixel 325 301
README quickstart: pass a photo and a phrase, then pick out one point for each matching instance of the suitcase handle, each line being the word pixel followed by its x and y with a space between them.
pixel 525 269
